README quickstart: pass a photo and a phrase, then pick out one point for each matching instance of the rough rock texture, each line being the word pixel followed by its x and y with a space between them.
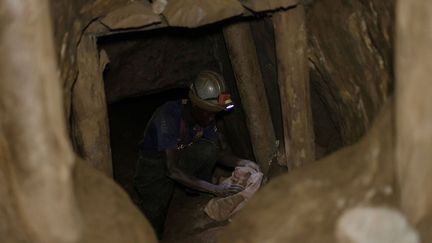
pixel 192 13
pixel 425 228
pixel 375 225
pixel 187 223
pixel 414 111
pixel 350 54
pixel 37 203
pixel 309 200
pixel 108 214
pixel 134 15
pixel 42 200
pixel 70 19
pixel 327 135
pixel 266 5
pixel 157 60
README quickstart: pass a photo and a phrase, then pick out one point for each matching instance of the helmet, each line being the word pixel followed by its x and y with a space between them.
pixel 208 92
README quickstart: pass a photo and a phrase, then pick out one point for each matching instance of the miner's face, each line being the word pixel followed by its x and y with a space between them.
pixel 202 117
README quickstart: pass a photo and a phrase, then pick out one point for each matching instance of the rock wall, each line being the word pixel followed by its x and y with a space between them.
pixel 47 194
pixel 89 132
pixel 351 73
pixel 70 19
pixel 414 112
pixel 351 62
pixel 304 205
pixel 155 60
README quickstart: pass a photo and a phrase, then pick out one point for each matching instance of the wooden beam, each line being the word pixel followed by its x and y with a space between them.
pixel 89 109
pixel 234 123
pixel 244 60
pixel 293 76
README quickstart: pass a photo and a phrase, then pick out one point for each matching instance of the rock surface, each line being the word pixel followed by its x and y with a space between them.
pixel 108 214
pixel 156 60
pixel 414 111
pixel 311 199
pixel 375 225
pixel 350 54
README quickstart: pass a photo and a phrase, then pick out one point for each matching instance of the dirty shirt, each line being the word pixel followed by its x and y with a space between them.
pixel 167 130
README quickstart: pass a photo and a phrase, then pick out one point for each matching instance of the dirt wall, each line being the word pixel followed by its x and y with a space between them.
pixel 350 53
pixel 155 60
pixel 69 20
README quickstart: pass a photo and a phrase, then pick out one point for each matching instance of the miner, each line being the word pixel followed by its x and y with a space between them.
pixel 180 145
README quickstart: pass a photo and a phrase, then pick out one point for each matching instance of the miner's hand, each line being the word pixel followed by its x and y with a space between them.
pixel 225 190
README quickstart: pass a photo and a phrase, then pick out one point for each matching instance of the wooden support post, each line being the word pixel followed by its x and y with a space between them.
pixel 414 108
pixel 242 52
pixel 90 115
pixel 234 123
pixel 293 76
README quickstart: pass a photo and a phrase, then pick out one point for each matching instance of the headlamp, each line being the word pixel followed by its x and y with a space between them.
pixel 224 100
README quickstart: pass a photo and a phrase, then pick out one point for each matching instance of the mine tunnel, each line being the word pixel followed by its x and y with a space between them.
pixel 147 69
pixel 318 131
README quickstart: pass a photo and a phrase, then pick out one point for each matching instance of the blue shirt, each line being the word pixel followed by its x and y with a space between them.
pixel 167 130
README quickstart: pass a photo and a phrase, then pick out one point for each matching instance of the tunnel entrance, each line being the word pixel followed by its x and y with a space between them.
pixel 147 69
pixel 127 120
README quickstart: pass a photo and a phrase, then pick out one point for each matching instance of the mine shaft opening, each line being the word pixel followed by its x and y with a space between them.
pixel 127 120
pixel 147 69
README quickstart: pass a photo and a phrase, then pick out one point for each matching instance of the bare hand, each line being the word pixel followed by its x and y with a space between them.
pixel 226 190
